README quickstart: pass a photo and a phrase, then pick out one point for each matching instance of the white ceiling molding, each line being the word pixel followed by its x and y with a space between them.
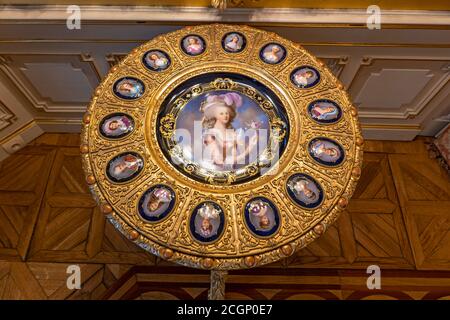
pixel 409 112
pixel 335 63
pixel 47 47
pixel 59 125
pixel 7 117
pixel 381 133
pixel 14 110
pixel 19 139
pixel 369 89
pixel 69 79
pixel 196 14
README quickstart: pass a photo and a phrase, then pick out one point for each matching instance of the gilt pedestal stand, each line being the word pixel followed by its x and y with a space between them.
pixel 217 285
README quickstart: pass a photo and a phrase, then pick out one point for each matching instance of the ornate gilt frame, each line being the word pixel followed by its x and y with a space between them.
pixel 237 248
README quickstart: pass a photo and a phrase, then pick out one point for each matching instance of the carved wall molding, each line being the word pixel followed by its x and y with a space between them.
pixel 262 15
pixel 114 58
pixel 408 112
pixel 335 63
pixel 14 66
pixel 7 117
pixel 340 45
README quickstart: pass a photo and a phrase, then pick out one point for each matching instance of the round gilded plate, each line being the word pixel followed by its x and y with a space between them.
pixel 207 222
pixel 116 125
pixel 326 151
pixel 156 203
pixel 212 146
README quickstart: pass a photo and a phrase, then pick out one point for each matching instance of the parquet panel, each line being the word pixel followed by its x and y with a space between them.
pixel 71 228
pixel 371 229
pixel 424 194
pixel 398 219
pixel 23 179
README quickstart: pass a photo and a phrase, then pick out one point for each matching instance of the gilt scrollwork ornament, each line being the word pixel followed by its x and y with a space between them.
pixel 219 4
pixel 167 126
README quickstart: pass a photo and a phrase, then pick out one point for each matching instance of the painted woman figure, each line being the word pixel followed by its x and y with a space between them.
pixel 223 147
pixel 117 126
pixel 125 167
pixel 194 46
pixel 273 55
pixel 303 190
pixel 158 198
pixel 302 77
pixel 325 151
pixel 322 111
pixel 233 44
pixel 129 88
pixel 259 209
pixel 207 213
pixel 157 62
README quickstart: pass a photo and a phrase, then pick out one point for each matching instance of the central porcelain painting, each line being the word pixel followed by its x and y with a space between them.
pixel 227 128
pixel 221 147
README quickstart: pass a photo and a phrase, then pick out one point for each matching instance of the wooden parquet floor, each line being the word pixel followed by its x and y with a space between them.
pixel 398 218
